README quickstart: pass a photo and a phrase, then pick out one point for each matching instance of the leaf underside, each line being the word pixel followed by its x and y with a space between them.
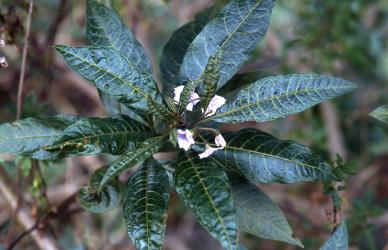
pixel 145 203
pixel 279 96
pixel 257 214
pixel 205 189
pixel 262 158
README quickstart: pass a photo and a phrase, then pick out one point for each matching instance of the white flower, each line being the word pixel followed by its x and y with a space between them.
pixel 185 139
pixel 209 150
pixel 193 100
pixel 220 141
pixel 3 62
pixel 215 103
pixel 177 92
pixel 2 43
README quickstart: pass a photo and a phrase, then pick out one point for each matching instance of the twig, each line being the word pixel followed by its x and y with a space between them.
pixel 44 241
pixel 333 130
pixel 62 12
pixel 19 106
pixel 24 60
pixel 22 235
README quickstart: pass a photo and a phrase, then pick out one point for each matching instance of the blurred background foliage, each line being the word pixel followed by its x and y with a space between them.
pixel 347 38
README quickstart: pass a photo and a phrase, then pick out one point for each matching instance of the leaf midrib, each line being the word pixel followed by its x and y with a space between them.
pixel 29 137
pixel 270 99
pixel 210 200
pixel 146 207
pixel 265 154
pixel 96 17
pixel 101 135
pixel 240 24
pixel 104 70
pixel 268 222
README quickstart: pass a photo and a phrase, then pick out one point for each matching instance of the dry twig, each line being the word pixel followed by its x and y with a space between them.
pixel 24 60
pixel 43 240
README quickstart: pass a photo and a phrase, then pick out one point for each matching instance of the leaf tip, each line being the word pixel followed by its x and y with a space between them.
pixel 298 242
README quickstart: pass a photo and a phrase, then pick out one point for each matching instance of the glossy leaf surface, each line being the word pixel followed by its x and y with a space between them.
pixel 100 202
pixel 257 214
pixel 260 157
pixel 111 72
pixel 105 28
pixel 279 96
pixel 205 189
pixel 145 203
pixel 236 31
pixel 129 159
pixel 175 50
pixel 339 240
pixel 95 135
pixel 161 111
pixel 29 136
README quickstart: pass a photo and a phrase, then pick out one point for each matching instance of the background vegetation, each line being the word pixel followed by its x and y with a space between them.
pixel 344 38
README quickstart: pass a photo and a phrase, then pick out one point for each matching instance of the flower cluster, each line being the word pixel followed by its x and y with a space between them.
pixel 3 60
pixel 185 137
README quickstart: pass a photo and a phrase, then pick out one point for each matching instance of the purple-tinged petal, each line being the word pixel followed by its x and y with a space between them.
pixel 220 141
pixel 177 93
pixel 194 99
pixel 185 139
pixel 209 150
pixel 215 103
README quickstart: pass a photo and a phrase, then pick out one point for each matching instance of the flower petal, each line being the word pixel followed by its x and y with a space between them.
pixel 194 99
pixel 185 139
pixel 177 93
pixel 209 150
pixel 215 103
pixel 220 141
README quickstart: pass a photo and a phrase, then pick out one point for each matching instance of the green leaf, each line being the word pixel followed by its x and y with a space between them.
pixel 257 214
pixel 260 157
pixel 279 96
pixel 29 136
pixel 205 189
pixel 100 202
pixel 145 204
pixel 186 94
pixel 105 28
pixel 96 135
pixel 175 49
pixel 111 72
pixel 112 107
pixel 161 112
pixel 339 240
pixel 381 113
pixel 171 104
pixel 236 31
pixel 210 77
pixel 129 159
